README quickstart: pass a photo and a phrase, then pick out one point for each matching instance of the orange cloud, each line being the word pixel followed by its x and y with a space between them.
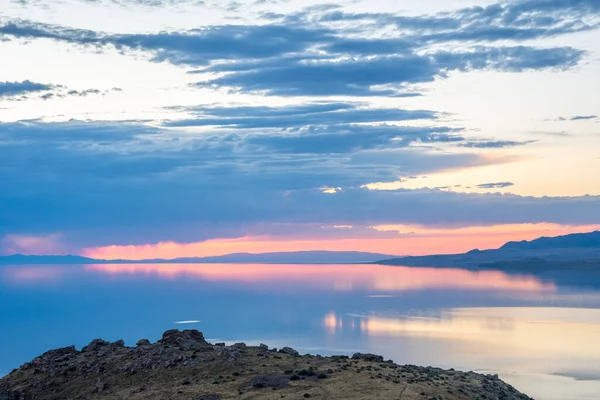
pixel 413 240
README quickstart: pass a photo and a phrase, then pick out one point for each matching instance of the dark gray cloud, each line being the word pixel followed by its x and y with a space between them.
pixel 26 89
pixel 578 118
pixel 584 117
pixel 10 89
pixel 495 185
pixel 64 92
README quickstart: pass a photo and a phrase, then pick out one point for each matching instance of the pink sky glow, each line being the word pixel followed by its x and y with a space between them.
pixel 411 240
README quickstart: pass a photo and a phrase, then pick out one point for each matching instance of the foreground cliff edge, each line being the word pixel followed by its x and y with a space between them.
pixel 182 365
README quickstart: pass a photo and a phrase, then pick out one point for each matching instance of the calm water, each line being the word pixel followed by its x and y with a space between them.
pixel 541 334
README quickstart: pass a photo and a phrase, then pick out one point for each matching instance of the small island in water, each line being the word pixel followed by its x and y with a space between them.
pixel 183 365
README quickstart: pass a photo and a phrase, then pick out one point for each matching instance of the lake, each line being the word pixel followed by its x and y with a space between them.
pixel 539 333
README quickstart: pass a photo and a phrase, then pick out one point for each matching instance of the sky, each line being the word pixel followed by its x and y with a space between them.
pixel 167 128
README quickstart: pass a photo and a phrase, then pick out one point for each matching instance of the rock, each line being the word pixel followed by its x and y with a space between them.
pixel 100 386
pixel 119 343
pixel 367 357
pixel 143 342
pixel 58 355
pixel 95 344
pixel 231 354
pixel 263 346
pixel 189 339
pixel 290 351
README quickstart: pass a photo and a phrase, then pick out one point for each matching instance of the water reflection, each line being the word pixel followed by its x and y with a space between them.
pixel 32 274
pixel 495 330
pixel 337 277
pixel 489 321
pixel 551 352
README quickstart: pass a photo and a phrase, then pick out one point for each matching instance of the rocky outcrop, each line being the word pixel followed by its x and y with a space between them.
pixel 183 365
pixel 367 357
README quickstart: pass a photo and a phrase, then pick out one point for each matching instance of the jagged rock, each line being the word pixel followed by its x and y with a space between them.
pixel 95 345
pixel 290 351
pixel 143 342
pixel 367 357
pixel 119 343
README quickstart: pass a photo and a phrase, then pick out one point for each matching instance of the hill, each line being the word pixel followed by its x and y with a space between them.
pixel 183 365
pixel 579 249
pixel 298 257
pixel 18 259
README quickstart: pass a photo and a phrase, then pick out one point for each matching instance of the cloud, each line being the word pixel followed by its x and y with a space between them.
pixel 348 139
pixel 25 89
pixel 326 113
pixel 239 170
pixel 513 20
pixel 30 244
pixel 578 118
pixel 496 185
pixel 10 89
pixel 584 117
pixel 322 51
pixel 319 128
pixel 379 76
pixel 130 183
pixel 494 144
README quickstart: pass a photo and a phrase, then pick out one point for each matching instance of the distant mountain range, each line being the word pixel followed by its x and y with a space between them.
pixel 579 249
pixel 298 257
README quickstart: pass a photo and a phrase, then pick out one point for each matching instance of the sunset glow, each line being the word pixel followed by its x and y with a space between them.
pixel 412 240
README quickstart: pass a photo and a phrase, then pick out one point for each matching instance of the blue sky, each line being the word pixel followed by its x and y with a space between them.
pixel 132 123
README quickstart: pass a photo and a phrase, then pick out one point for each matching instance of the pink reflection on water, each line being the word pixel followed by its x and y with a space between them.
pixel 29 274
pixel 337 277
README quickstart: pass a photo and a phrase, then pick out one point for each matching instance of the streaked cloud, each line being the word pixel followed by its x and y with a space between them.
pixel 495 185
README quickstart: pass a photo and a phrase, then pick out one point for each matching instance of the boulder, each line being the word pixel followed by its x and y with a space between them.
pixel 290 351
pixel 189 339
